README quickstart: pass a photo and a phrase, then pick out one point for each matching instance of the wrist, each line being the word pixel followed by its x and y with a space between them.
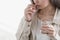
pixel 28 20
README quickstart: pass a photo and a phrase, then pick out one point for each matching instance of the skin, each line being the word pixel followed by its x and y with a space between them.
pixel 47 9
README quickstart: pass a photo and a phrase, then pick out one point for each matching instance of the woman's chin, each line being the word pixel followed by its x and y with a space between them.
pixel 41 8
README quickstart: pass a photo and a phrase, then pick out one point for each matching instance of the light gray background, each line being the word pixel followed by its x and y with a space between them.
pixel 11 12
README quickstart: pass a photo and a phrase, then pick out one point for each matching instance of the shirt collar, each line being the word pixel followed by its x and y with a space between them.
pixel 56 12
pixel 56 17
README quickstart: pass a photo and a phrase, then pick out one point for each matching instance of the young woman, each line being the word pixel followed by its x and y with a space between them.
pixel 41 21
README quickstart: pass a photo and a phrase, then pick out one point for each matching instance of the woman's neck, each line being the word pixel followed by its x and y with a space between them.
pixel 47 13
pixel 49 10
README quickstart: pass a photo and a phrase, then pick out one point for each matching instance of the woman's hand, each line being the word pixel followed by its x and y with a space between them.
pixel 29 12
pixel 50 31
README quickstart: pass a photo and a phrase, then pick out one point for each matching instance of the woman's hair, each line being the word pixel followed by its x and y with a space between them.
pixel 56 3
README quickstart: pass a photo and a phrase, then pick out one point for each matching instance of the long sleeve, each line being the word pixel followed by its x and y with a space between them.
pixel 23 30
pixel 57 36
pixel 58 33
pixel 57 22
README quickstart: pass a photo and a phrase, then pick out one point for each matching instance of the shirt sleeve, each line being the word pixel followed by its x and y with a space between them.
pixel 57 36
pixel 58 33
pixel 23 30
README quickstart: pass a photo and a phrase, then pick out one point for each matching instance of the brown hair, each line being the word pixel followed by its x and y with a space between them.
pixel 56 3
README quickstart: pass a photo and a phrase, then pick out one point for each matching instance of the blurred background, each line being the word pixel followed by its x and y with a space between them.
pixel 11 12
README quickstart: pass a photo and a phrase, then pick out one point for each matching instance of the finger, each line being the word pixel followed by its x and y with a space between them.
pixel 29 15
pixel 44 32
pixel 44 29
pixel 31 7
pixel 51 29
pixel 32 10
pixel 50 32
pixel 45 26
pixel 51 35
pixel 48 28
pixel 29 10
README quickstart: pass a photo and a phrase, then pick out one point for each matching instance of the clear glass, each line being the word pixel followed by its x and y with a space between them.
pixel 41 36
pixel 46 23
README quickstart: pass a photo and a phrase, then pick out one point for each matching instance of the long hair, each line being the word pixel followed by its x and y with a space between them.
pixel 55 3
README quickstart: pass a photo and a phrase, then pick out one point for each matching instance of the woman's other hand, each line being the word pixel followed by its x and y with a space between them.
pixel 50 31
